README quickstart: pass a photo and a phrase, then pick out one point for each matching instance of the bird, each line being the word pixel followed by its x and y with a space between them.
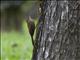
pixel 31 28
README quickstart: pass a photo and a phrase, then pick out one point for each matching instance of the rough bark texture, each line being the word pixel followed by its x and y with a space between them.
pixel 58 31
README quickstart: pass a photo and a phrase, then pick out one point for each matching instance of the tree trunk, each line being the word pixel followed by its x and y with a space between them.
pixel 58 31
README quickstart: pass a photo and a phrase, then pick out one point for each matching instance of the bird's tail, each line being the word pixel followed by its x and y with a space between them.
pixel 33 42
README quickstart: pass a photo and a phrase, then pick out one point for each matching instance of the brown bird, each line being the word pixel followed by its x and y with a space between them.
pixel 31 28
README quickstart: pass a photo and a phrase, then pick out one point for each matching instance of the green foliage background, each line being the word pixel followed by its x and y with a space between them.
pixel 23 50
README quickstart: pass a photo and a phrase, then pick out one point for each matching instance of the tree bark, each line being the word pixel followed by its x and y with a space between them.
pixel 58 31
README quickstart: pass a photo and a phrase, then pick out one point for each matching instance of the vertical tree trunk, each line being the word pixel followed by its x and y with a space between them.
pixel 58 31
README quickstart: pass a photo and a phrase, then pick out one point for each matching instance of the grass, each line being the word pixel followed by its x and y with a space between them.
pixel 23 49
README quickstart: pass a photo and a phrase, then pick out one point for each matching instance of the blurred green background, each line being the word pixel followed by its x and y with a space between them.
pixel 23 49
pixel 15 39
